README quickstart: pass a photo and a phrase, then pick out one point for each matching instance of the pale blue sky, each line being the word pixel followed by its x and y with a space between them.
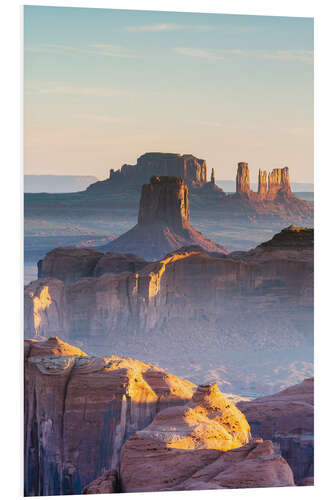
pixel 104 86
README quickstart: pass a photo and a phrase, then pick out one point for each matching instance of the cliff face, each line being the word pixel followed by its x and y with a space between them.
pixel 164 202
pixel 79 410
pixel 193 170
pixel 271 288
pixel 163 222
pixel 243 178
pixel 287 418
pixel 274 199
pixel 186 447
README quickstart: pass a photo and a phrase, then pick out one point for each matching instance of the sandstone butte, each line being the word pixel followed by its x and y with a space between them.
pixel 80 409
pixel 287 418
pixel 273 200
pixel 163 222
pixel 271 287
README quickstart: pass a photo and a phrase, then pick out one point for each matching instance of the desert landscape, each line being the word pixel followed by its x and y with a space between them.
pixel 168 252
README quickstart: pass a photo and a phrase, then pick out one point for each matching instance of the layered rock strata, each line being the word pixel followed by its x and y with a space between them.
pixel 187 448
pixel 270 287
pixel 80 409
pixel 287 418
pixel 163 222
pixel 70 264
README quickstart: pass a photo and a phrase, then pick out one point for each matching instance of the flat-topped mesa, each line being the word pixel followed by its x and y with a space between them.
pixel 278 180
pixel 243 178
pixel 262 183
pixel 164 202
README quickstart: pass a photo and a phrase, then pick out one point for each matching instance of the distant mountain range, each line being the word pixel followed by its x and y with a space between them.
pixel 230 186
pixel 57 183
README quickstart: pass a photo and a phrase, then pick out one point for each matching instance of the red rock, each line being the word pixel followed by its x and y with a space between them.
pixel 286 418
pixel 187 448
pixel 163 222
pixel 193 170
pixel 106 483
pixel 243 179
pixel 68 264
pixel 271 287
pixel 80 409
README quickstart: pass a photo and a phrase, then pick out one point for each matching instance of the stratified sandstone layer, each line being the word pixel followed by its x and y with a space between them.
pixel 286 418
pixel 163 222
pixel 80 409
pixel 187 448
pixel 193 170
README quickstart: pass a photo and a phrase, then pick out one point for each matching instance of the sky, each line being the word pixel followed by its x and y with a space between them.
pixel 102 87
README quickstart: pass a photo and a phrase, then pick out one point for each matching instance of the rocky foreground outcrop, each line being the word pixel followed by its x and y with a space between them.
pixel 163 222
pixel 205 444
pixel 80 409
pixel 287 418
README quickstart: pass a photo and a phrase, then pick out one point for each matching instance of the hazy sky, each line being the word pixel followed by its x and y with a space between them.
pixel 103 87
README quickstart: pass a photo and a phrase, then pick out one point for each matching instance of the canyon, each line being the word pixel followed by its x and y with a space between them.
pixel 103 424
pixel 167 311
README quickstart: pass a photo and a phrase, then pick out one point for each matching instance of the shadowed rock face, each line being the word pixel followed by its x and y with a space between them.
pixel 163 222
pixel 187 448
pixel 80 409
pixel 193 170
pixel 243 179
pixel 286 418
pixel 70 264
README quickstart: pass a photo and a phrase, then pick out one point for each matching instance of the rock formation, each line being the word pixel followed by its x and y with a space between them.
pixel 186 447
pixel 262 184
pixel 286 418
pixel 243 179
pixel 190 302
pixel 80 409
pixel 70 264
pixel 191 169
pixel 163 222
pixel 106 483
pixel 273 201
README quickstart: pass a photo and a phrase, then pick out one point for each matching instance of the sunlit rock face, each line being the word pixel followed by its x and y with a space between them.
pixel 190 294
pixel 80 409
pixel 163 222
pixel 273 200
pixel 193 170
pixel 187 447
pixel 287 418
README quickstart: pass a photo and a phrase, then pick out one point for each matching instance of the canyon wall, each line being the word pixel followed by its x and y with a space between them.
pixel 163 222
pixel 80 409
pixel 271 288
